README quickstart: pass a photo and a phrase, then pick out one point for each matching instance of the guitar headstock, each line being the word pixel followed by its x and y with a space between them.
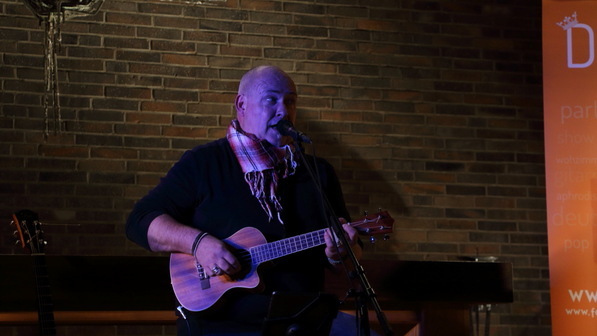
pixel 380 223
pixel 28 231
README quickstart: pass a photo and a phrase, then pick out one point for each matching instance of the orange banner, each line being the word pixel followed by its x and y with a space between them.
pixel 570 112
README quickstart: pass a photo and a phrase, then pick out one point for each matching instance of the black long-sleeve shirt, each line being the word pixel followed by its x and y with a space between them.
pixel 206 189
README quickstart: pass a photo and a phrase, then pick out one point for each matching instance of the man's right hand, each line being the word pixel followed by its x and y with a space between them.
pixel 213 254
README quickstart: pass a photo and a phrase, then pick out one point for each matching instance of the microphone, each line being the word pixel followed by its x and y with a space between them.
pixel 285 127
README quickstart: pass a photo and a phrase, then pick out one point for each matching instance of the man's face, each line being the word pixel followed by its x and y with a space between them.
pixel 269 98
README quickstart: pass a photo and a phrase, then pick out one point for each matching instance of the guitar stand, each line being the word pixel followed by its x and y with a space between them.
pixel 366 295
pixel 300 314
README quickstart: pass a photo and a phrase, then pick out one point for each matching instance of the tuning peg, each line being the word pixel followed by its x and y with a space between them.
pixel 372 239
pixel 365 213
pixel 386 237
pixel 18 242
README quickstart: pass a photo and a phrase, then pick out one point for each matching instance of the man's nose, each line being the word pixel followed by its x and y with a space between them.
pixel 282 111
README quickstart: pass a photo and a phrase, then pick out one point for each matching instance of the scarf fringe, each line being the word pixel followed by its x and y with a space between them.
pixel 258 182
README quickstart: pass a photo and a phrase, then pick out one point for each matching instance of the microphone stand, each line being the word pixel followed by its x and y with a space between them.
pixel 366 295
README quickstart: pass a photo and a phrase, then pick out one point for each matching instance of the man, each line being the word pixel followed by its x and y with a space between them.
pixel 251 178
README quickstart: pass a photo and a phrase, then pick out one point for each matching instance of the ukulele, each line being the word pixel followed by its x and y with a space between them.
pixel 196 290
pixel 30 236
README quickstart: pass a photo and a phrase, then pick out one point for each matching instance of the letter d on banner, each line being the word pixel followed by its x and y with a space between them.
pixel 589 30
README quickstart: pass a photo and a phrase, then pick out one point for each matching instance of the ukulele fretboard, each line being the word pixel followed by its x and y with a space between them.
pixel 286 246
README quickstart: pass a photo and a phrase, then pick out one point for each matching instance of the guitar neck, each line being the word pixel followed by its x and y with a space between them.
pixel 284 247
pixel 45 306
pixel 369 225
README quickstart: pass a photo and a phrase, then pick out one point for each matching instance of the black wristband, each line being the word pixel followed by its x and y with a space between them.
pixel 197 241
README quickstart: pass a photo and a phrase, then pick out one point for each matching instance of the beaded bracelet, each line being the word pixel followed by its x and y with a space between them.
pixel 197 241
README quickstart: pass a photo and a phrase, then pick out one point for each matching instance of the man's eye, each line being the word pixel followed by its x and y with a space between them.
pixel 271 100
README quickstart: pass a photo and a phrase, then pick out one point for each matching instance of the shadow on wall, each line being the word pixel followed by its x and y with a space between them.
pixel 369 180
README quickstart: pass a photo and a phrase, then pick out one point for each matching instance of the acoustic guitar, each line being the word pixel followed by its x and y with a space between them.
pixel 30 236
pixel 196 290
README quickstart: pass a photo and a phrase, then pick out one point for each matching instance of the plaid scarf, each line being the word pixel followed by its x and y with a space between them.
pixel 262 164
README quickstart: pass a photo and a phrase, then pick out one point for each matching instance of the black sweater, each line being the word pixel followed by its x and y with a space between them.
pixel 206 189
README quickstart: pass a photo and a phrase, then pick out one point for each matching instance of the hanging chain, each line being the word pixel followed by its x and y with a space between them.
pixel 52 46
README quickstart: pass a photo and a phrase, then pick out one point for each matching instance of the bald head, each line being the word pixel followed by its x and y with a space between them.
pixel 250 78
pixel 266 95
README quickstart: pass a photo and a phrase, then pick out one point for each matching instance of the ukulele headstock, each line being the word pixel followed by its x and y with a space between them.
pixel 380 223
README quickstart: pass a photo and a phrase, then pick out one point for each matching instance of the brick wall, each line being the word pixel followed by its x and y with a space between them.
pixel 430 109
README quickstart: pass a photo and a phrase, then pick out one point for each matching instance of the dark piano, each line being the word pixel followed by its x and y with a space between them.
pixel 438 294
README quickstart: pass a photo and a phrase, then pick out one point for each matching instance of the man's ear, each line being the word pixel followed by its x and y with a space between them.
pixel 239 103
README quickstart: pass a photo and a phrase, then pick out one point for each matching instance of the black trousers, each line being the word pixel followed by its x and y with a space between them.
pixel 197 327
pixel 242 316
pixel 300 314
